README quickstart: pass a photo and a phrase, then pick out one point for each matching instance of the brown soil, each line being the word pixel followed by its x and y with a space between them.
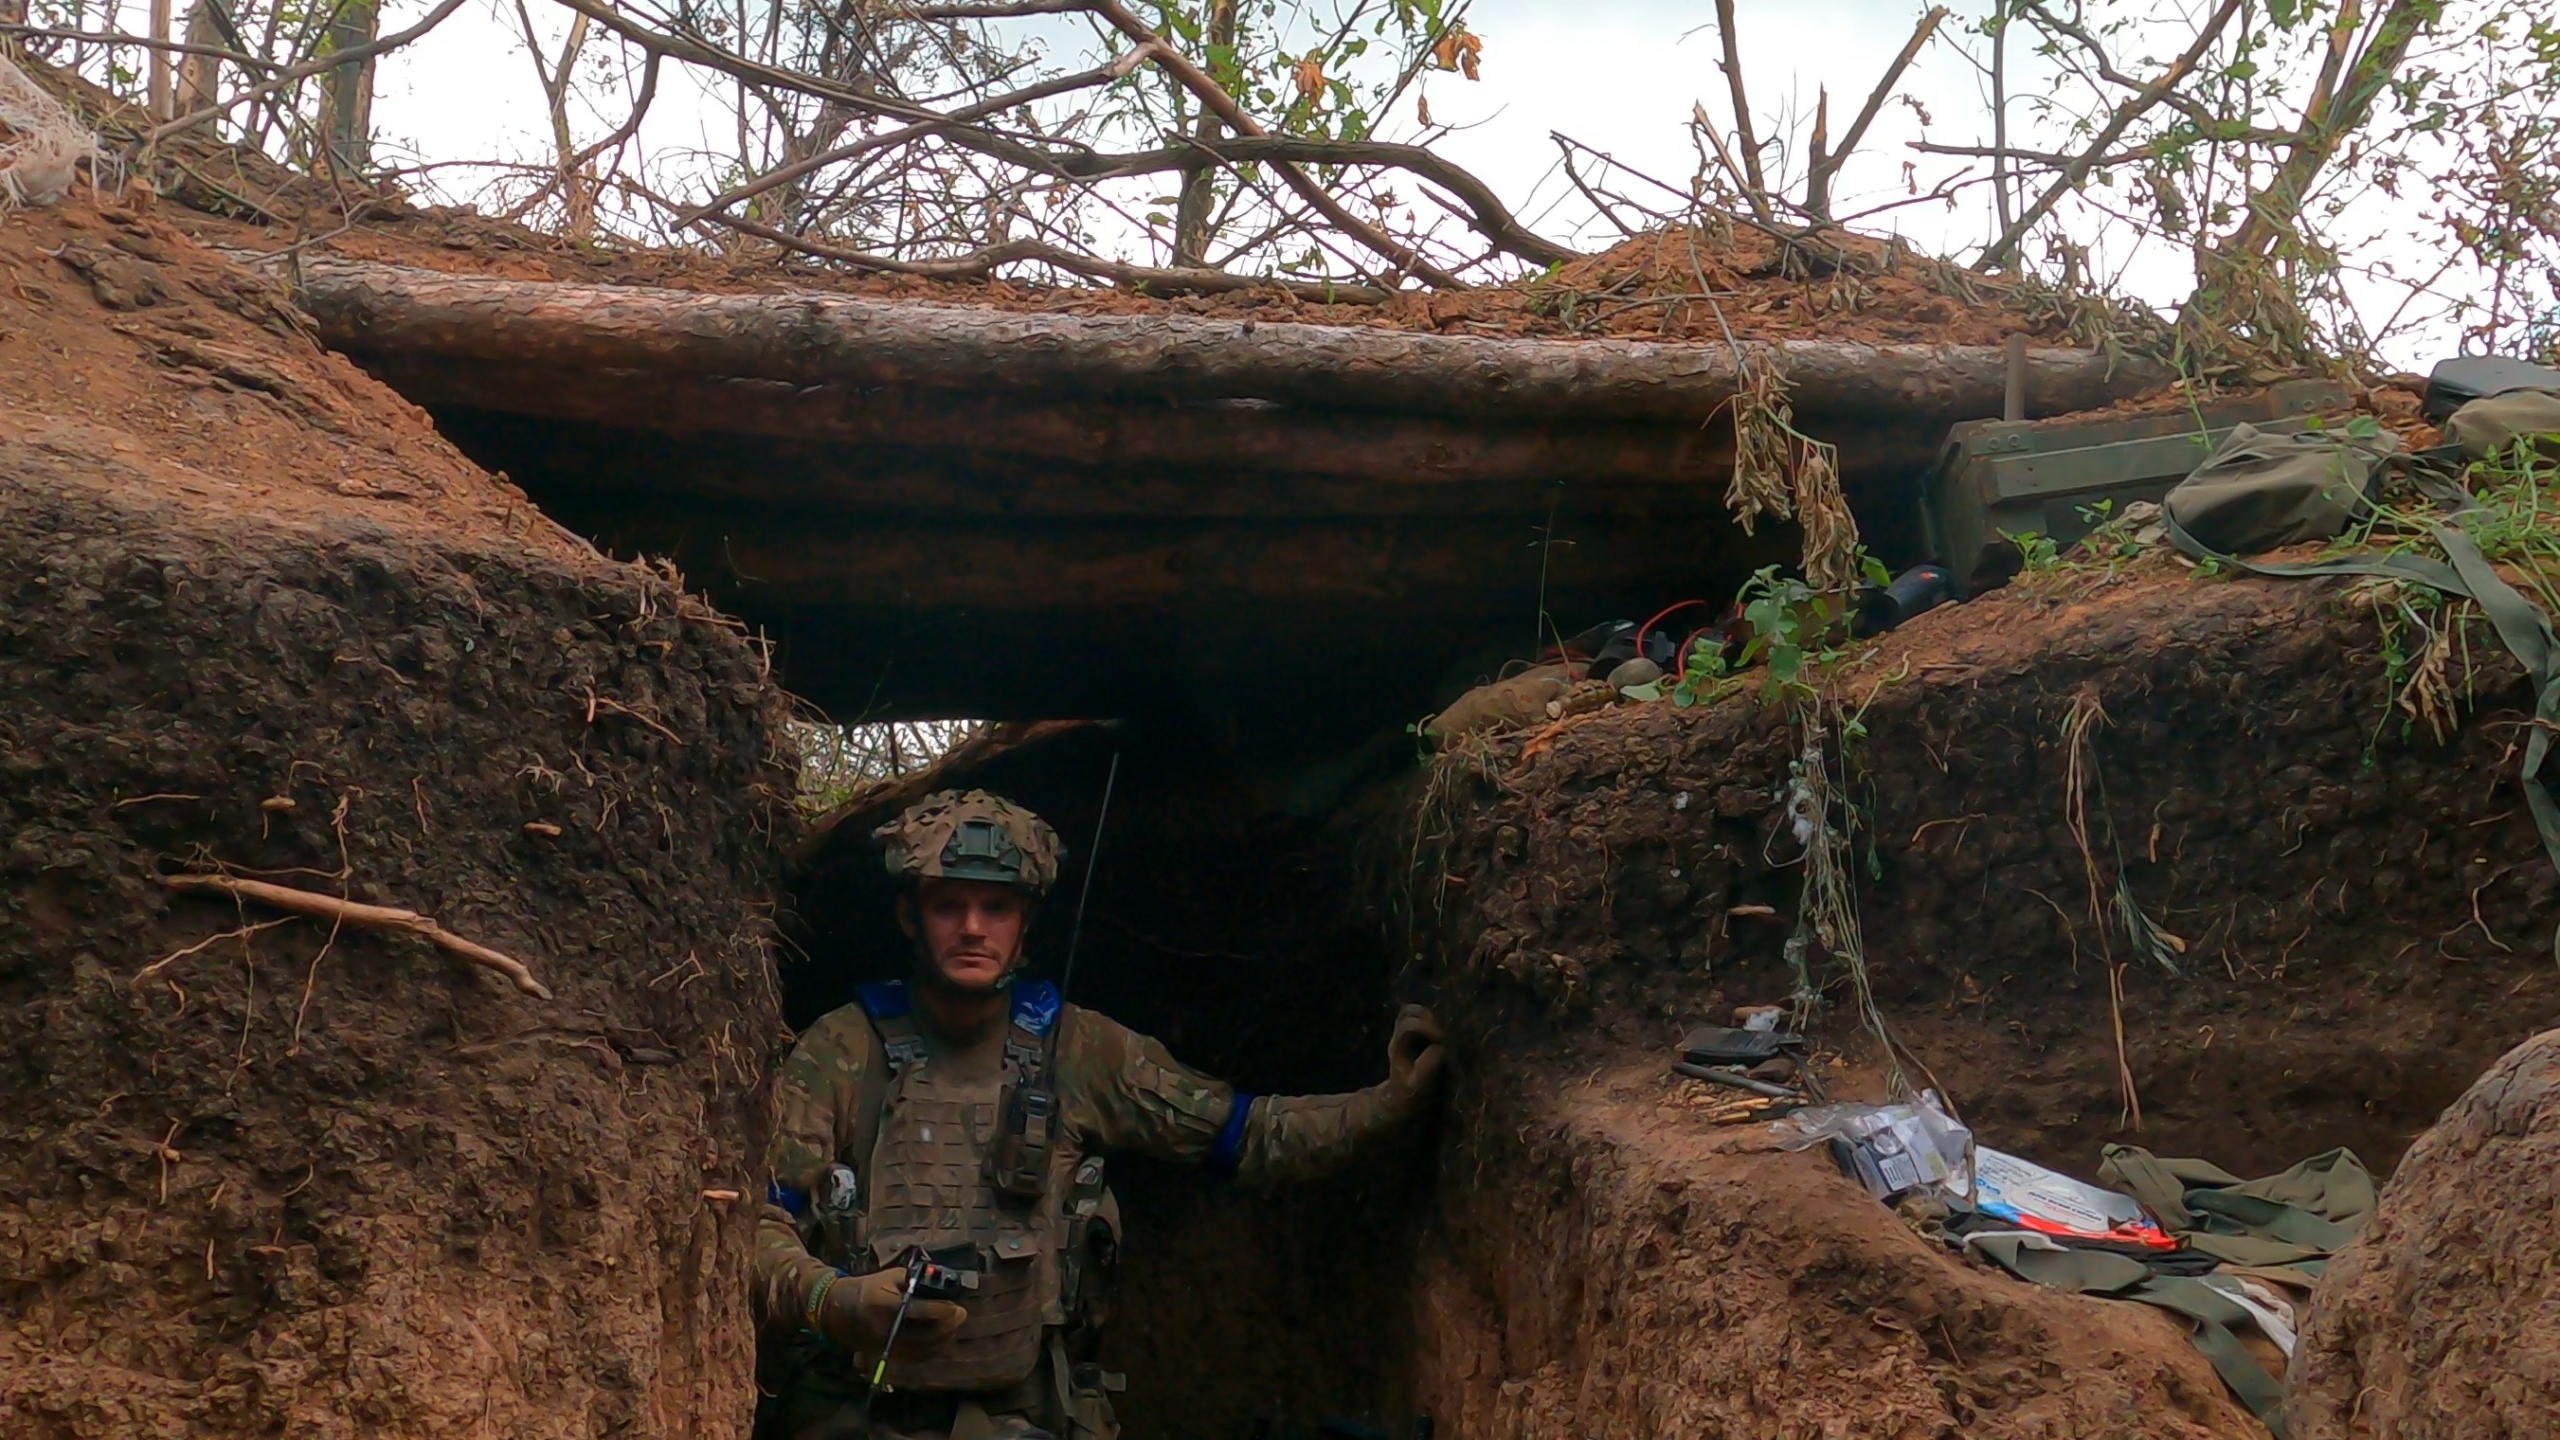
pixel 259 616
pixel 2366 917
pixel 2443 1318
pixel 1646 288
pixel 1606 1265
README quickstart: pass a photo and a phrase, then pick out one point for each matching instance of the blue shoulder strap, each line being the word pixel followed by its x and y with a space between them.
pixel 884 999
pixel 1035 1006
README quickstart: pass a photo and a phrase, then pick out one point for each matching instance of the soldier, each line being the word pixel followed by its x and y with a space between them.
pixel 959 1115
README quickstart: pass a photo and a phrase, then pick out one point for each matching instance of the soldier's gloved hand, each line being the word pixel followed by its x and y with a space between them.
pixel 1415 1055
pixel 858 1308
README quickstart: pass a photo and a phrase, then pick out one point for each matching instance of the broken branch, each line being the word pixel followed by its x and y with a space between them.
pixel 372 917
pixel 1817 185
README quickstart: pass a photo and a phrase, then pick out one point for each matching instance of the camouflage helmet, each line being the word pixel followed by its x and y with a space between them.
pixel 971 835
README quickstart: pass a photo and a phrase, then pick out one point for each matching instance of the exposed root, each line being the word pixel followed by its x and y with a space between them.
pixel 375 917
pixel 1823 820
pixel 242 933
pixel 2131 1116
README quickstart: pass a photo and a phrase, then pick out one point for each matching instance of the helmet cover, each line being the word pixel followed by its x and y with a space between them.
pixel 971 835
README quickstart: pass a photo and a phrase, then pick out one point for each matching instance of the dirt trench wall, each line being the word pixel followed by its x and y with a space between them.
pixel 2442 1320
pixel 2366 915
pixel 1602 1265
pixel 330 1183
pixel 2366 912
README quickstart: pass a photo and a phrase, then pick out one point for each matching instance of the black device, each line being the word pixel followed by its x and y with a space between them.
pixel 1916 591
pixel 1720 1045
pixel 948 1273
pixel 2457 382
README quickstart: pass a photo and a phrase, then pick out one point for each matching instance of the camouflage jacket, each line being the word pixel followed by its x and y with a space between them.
pixel 1118 1091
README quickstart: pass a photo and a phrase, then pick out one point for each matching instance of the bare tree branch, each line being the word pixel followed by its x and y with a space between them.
pixel 1198 83
pixel 353 54
pixel 984 262
pixel 1817 185
pixel 1064 84
pixel 1756 192
pixel 145 42
pixel 2003 249
pixel 1486 214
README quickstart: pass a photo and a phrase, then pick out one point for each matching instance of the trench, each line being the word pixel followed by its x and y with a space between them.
pixel 347 1181
pixel 1548 1258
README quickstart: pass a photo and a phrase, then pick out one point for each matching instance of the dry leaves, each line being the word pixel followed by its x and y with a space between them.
pixel 1457 49
pixel 1310 76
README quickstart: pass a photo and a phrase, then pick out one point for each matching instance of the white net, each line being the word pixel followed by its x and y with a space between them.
pixel 41 142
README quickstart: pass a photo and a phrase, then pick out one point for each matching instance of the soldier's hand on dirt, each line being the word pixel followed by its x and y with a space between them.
pixel 1414 1053
pixel 857 1311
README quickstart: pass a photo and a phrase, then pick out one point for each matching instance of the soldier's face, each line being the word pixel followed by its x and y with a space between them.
pixel 971 930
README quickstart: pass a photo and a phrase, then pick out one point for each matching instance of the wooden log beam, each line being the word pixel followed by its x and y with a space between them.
pixel 600 465
pixel 372 310
pixel 1126 572
pixel 726 438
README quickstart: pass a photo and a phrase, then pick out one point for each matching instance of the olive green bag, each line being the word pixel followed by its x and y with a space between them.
pixel 2259 491
pixel 2488 425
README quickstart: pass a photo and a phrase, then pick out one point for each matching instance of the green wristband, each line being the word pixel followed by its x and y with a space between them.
pixel 817 1300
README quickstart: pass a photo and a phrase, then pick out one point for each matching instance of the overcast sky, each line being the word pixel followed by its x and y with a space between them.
pixel 1618 75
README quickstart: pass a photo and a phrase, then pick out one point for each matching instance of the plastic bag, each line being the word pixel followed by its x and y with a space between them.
pixel 1889 1148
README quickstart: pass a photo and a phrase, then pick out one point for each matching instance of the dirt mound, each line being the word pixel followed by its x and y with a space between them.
pixel 2363 912
pixel 2443 1318
pixel 1679 285
pixel 1607 1266
pixel 293 1178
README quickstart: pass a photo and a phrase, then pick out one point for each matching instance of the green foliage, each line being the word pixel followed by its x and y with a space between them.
pixel 1791 627
pixel 2037 554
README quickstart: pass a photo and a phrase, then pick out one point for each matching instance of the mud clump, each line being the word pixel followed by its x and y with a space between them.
pixel 266 1175
pixel 2443 1318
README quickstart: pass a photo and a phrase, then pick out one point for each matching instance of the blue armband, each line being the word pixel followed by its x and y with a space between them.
pixel 795 1203
pixel 1227 1151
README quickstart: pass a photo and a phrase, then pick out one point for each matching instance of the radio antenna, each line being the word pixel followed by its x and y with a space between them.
pixel 1092 859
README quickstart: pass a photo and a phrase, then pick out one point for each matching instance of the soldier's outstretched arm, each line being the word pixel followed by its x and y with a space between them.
pixel 1134 1096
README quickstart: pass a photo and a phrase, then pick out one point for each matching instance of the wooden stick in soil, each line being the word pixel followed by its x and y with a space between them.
pixel 372 917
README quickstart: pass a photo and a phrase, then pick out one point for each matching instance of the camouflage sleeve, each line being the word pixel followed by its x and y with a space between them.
pixel 1125 1092
pixel 815 1097
pixel 1307 1137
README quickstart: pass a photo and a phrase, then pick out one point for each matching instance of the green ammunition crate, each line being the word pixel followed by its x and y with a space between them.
pixel 2047 477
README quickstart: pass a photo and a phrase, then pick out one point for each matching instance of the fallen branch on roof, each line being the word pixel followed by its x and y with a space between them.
pixel 415 317
pixel 372 917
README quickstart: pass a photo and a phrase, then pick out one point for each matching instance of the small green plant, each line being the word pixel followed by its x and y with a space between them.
pixel 1791 626
pixel 2037 554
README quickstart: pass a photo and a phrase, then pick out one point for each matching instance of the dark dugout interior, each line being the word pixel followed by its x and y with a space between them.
pixel 1234 931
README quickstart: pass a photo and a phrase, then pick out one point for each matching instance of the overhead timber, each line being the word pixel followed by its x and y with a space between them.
pixel 951 509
